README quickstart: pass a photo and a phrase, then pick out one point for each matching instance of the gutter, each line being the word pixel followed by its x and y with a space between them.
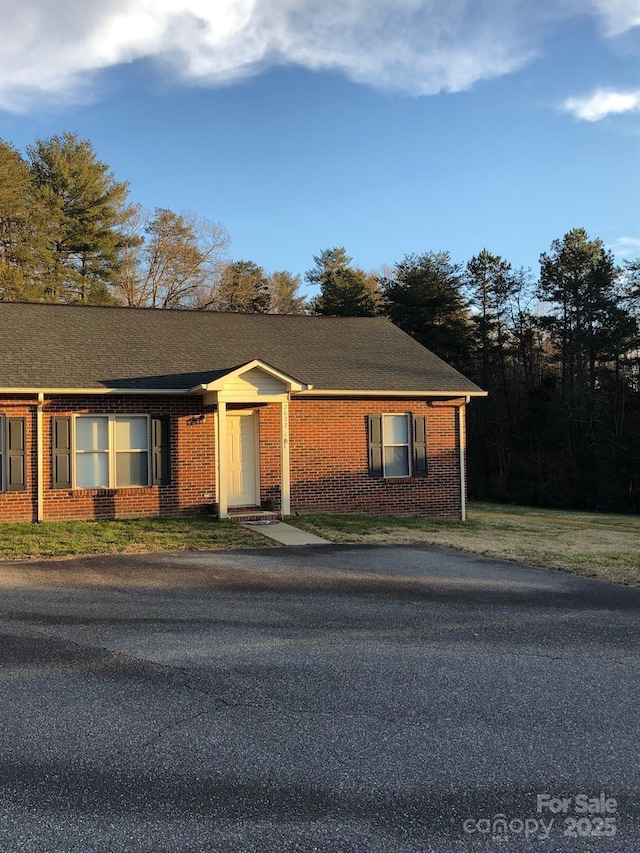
pixel 200 389
pixel 164 392
pixel 407 394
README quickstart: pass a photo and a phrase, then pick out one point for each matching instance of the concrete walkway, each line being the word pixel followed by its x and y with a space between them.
pixel 286 534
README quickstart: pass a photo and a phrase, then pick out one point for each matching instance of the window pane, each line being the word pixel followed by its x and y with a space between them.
pixel 92 470
pixel 92 433
pixel 131 434
pixel 396 429
pixel 396 462
pixel 132 469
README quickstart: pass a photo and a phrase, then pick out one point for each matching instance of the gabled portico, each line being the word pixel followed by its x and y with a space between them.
pixel 237 396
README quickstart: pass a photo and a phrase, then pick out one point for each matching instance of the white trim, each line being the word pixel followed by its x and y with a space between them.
pixel 111 451
pixel 3 461
pixel 405 395
pixel 164 392
pixel 218 384
pixel 285 461
pixel 221 456
pixel 306 391
pixel 210 398
pixel 463 475
pixel 40 458
pixel 216 451
pixel 408 421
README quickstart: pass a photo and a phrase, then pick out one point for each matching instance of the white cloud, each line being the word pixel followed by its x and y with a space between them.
pixel 626 246
pixel 602 103
pixel 54 48
pixel 618 16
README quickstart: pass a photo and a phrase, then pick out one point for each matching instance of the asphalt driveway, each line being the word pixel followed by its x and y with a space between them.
pixel 316 699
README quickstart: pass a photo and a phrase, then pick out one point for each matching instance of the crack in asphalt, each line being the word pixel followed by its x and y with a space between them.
pixel 184 679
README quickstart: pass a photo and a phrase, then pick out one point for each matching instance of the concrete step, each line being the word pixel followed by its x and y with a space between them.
pixel 245 514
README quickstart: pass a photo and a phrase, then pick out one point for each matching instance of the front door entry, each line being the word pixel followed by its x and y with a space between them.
pixel 243 482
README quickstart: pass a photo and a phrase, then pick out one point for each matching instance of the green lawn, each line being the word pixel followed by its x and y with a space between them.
pixel 595 545
pixel 74 538
pixel 590 544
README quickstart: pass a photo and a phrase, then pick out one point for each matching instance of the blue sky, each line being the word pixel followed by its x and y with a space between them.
pixel 386 127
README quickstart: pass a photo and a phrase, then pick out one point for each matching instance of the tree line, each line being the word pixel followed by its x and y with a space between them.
pixel 68 233
pixel 558 352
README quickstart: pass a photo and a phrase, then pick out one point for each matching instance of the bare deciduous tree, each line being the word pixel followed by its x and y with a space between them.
pixel 173 261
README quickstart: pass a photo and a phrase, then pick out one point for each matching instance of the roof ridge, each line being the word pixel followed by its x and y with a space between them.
pixel 174 311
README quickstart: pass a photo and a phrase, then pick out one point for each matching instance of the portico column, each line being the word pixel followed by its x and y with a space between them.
pixel 221 450
pixel 285 478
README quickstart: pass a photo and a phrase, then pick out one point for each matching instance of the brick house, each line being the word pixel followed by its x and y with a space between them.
pixel 121 412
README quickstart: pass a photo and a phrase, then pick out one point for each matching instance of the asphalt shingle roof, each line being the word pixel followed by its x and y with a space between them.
pixel 68 346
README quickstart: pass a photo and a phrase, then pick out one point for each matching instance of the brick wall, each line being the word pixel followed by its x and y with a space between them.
pixel 192 462
pixel 20 506
pixel 329 460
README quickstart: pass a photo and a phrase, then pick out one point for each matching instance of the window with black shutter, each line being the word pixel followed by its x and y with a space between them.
pixel 14 447
pixel 61 452
pixel 160 443
pixel 375 446
pixel 109 451
pixel 420 464
pixel 394 449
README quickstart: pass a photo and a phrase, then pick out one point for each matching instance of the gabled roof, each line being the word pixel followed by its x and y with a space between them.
pixel 127 349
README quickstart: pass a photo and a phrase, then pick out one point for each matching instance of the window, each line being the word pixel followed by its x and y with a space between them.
pixel 111 451
pixel 12 454
pixel 397 445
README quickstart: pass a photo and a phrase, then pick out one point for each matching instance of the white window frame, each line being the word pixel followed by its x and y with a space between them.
pixel 112 450
pixel 406 444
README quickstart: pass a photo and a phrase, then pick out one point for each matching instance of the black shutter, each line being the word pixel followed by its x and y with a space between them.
pixel 15 448
pixel 419 446
pixel 375 446
pixel 61 452
pixel 160 442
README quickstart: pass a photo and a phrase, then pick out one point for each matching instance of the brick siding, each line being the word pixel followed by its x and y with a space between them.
pixel 329 460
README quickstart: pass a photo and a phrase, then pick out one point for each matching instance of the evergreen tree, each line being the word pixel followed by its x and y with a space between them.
pixel 243 287
pixel 87 209
pixel 283 292
pixel 579 279
pixel 424 298
pixel 345 291
pixel 25 255
pixel 491 285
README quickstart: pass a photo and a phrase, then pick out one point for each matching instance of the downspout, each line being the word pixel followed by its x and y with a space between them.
pixel 40 458
pixel 463 473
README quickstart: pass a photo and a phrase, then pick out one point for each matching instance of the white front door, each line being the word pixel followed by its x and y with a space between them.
pixel 242 461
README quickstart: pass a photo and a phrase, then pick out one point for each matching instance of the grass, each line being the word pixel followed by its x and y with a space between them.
pixel 76 538
pixel 589 544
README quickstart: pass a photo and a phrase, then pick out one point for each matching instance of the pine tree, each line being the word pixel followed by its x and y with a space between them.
pixel 424 298
pixel 283 291
pixel 243 287
pixel 87 210
pixel 25 256
pixel 345 291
